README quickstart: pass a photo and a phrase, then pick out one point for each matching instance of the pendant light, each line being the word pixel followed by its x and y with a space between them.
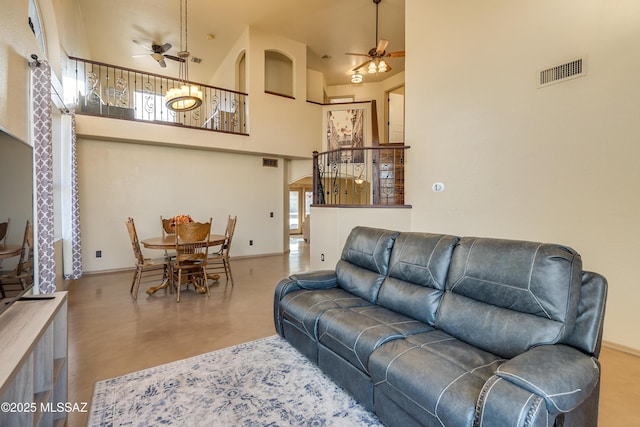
pixel 185 96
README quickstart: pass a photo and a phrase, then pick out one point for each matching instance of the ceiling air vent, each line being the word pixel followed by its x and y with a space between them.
pixel 270 163
pixel 561 73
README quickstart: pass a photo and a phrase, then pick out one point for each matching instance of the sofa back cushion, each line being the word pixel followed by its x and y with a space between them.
pixel 418 270
pixel 365 261
pixel 506 296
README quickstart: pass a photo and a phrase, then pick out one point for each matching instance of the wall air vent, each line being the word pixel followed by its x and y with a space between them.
pixel 270 163
pixel 561 73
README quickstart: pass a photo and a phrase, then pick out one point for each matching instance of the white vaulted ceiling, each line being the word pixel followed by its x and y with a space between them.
pixel 328 27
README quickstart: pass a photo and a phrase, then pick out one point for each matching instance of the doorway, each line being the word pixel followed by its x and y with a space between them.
pixel 300 199
pixel 394 114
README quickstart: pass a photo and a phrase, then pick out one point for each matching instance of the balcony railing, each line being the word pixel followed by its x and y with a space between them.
pixel 370 176
pixel 110 91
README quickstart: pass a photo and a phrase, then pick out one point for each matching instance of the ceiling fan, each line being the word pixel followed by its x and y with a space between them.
pixel 376 55
pixel 157 52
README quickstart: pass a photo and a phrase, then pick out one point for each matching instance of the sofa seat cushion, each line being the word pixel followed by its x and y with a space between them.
pixel 303 308
pixel 433 376
pixel 354 333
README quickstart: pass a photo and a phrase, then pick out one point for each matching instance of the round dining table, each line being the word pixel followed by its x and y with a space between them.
pixel 168 242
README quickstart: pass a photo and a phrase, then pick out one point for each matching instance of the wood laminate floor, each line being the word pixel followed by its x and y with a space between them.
pixel 110 334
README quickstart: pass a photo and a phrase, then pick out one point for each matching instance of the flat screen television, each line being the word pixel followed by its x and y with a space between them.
pixel 16 201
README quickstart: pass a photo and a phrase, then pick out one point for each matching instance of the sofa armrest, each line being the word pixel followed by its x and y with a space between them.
pixel 563 376
pixel 323 279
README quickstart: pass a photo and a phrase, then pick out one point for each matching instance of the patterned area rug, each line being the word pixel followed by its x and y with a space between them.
pixel 260 383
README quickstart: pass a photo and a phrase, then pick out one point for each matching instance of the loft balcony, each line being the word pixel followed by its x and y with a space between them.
pixel 360 177
pixel 345 177
pixel 109 91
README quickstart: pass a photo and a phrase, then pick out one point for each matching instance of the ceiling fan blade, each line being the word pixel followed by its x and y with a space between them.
pixel 139 55
pixel 162 63
pixel 174 58
pixel 361 65
pixel 165 47
pixel 382 45
pixel 356 54
pixel 397 54
pixel 143 45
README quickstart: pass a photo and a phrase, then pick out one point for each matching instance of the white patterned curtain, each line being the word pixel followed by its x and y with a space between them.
pixel 43 164
pixel 71 212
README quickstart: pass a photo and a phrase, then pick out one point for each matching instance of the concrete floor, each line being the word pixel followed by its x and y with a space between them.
pixel 110 334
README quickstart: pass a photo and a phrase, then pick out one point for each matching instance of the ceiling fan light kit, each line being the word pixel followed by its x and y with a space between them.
pixel 157 52
pixel 185 96
pixel 375 62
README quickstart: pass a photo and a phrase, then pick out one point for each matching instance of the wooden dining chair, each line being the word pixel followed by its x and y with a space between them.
pixel 192 251
pixel 4 231
pixel 168 229
pixel 22 274
pixel 144 265
pixel 220 262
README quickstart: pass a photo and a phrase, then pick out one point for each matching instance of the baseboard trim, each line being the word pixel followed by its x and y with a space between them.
pixel 118 270
pixel 622 348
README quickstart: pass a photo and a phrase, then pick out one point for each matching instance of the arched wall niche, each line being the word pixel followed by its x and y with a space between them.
pixel 278 73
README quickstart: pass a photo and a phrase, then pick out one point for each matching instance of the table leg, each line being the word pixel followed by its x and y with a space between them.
pixel 166 281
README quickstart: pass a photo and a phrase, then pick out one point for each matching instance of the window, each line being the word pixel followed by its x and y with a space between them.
pixel 36 24
pixel 295 223
pixel 150 106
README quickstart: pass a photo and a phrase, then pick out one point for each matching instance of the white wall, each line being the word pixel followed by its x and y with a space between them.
pixel 299 169
pixel 557 164
pixel 331 226
pixel 17 43
pixel 118 180
pixel 315 86
pixel 279 124
pixel 16 189
pixel 226 74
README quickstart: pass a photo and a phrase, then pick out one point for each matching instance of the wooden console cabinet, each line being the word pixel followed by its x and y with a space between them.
pixel 33 363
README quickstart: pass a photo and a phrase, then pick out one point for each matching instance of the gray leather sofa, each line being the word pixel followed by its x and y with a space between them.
pixel 437 330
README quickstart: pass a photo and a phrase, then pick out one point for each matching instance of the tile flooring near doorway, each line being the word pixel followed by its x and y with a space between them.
pixel 110 334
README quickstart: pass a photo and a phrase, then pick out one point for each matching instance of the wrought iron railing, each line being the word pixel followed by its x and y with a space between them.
pixel 360 176
pixel 117 92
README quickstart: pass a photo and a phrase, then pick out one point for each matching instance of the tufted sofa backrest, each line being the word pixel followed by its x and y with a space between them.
pixel 418 270
pixel 364 263
pixel 506 296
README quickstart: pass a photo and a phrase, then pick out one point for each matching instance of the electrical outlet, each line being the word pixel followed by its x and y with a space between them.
pixel 98 254
pixel 250 242
pixel 322 257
